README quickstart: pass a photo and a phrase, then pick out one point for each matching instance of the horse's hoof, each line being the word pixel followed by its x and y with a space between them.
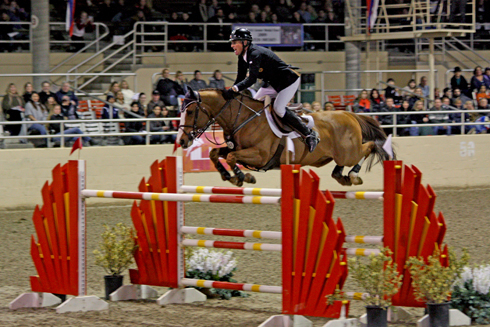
pixel 249 178
pixel 345 181
pixel 355 179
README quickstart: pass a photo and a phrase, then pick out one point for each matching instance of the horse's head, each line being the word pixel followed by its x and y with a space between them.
pixel 194 119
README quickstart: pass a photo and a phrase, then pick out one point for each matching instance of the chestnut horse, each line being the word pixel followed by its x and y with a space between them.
pixel 346 138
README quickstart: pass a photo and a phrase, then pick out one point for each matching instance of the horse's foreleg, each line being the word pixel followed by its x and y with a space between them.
pixel 214 155
pixel 242 155
pixel 354 172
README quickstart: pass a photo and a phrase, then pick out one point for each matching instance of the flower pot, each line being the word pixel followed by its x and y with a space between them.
pixel 112 283
pixel 438 314
pixel 376 316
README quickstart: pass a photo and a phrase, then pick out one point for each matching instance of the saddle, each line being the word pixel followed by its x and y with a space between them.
pixel 297 108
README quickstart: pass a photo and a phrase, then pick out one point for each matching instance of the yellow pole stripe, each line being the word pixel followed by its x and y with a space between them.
pixel 200 230
pixel 257 199
pixel 357 296
pixel 201 243
pixel 257 246
pixel 200 283
pixel 256 191
pixel 196 198
pixel 360 195
pixel 154 196
pixel 359 239
pixel 100 194
pixel 200 189
pixel 360 251
pixel 255 288
pixel 257 234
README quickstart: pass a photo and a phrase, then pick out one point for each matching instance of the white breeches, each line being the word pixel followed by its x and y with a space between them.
pixel 282 98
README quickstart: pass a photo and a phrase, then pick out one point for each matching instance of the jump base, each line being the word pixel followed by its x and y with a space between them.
pixel 133 292
pixel 82 303
pixel 456 318
pixel 178 296
pixel 286 321
pixel 34 300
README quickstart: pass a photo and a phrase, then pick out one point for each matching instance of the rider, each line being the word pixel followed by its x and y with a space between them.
pixel 283 81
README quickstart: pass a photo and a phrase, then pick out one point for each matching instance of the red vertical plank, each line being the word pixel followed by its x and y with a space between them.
pixel 46 252
pixel 173 224
pixel 390 175
pixel 41 282
pixel 71 177
pixel 289 181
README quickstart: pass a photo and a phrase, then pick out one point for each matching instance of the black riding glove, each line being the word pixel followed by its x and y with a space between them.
pixel 229 94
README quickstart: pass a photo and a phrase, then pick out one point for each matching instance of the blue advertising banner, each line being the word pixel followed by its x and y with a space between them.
pixel 275 35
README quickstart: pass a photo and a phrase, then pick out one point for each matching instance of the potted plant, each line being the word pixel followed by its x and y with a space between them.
pixel 380 280
pixel 432 282
pixel 115 254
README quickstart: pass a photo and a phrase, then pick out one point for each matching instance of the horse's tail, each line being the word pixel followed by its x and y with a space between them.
pixel 371 131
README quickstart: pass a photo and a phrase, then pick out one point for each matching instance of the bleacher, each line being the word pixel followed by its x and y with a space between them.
pixel 341 102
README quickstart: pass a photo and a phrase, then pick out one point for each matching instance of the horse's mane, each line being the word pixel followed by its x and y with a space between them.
pixel 221 91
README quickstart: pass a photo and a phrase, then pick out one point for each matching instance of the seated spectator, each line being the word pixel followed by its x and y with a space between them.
pixel 312 12
pixel 109 110
pixel 409 89
pixel 392 92
pixel 142 101
pixel 213 9
pixel 438 118
pixel 252 18
pixel 389 106
pixel 200 12
pixel 486 76
pixel 482 93
pixel 362 103
pixel 181 80
pixel 197 83
pixel 458 94
pixel 128 93
pixel 55 128
pixel 284 10
pixel 483 105
pixel 459 117
pixel 229 7
pixel 35 111
pixel 477 80
pixel 437 93
pixel 316 106
pixel 65 90
pixel 142 6
pixel 303 11
pixel 458 81
pixel 418 95
pixel 155 101
pixel 376 100
pixel 328 106
pixel 263 18
pixel 45 92
pixel 83 24
pixel 169 89
pixel 275 19
pixel 13 108
pixel 68 109
pixel 307 106
pixel 28 89
pixel 113 89
pixel 120 101
pixel 479 118
pixel 425 88
pixel 161 126
pixel 217 81
pixel 297 19
pixel 219 31
pixel 6 33
pixel 134 127
pixel 50 103
pixel 404 119
pixel 106 11
pixel 420 119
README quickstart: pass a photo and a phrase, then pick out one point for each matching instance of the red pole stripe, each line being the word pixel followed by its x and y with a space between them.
pixel 127 195
pixel 338 194
pixel 227 190
pixel 226 198
pixel 229 245
pixel 229 232
pixel 228 286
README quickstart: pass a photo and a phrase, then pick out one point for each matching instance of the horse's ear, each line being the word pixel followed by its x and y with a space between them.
pixel 190 91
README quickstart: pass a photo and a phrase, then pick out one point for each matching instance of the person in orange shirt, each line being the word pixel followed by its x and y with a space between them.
pixel 362 103
pixel 482 93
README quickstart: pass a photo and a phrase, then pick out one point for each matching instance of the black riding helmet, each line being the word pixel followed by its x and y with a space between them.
pixel 241 34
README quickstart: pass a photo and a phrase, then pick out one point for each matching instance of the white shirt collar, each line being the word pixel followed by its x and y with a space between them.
pixel 245 56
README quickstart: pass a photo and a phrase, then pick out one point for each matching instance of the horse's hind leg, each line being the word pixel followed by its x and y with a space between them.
pixel 214 155
pixel 239 177
pixel 354 172
pixel 337 175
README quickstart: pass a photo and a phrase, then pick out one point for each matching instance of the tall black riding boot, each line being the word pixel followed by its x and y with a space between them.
pixel 310 136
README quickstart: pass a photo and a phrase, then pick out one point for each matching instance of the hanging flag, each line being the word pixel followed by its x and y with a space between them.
pixel 371 14
pixel 70 16
pixel 76 145
pixel 176 146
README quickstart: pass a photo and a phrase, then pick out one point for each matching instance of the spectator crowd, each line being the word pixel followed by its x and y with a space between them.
pixel 406 101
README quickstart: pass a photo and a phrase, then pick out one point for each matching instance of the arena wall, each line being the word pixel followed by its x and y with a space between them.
pixel 446 161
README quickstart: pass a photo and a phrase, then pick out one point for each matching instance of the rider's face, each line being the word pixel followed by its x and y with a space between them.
pixel 237 47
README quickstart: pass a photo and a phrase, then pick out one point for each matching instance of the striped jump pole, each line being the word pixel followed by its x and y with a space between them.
pixel 362 252
pixel 231 232
pixel 231 286
pixel 273 192
pixel 233 245
pixel 378 240
pixel 176 197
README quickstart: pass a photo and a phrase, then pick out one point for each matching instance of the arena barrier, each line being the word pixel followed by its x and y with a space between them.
pixel 314 260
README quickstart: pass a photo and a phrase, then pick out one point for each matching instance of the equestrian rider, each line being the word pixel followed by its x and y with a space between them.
pixel 283 82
